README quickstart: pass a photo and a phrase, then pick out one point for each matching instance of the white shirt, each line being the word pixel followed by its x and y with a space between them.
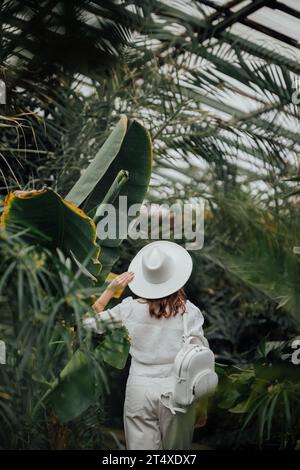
pixel 154 342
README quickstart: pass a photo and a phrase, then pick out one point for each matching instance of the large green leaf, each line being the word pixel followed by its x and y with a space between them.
pixel 124 161
pixel 48 220
pixel 122 167
pixel 98 167
pixel 115 348
pixel 78 385
pixel 135 157
pixel 129 149
pixel 75 389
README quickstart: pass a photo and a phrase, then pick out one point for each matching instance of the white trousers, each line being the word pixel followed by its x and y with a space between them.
pixel 148 423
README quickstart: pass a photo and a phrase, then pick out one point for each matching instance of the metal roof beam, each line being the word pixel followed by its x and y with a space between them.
pixel 238 16
pixel 219 8
pixel 285 8
pixel 271 32
pixel 257 50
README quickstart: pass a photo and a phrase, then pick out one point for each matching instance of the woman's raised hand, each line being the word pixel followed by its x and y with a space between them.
pixel 121 281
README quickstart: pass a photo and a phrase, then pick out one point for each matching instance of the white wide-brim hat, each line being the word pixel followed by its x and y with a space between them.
pixel 160 269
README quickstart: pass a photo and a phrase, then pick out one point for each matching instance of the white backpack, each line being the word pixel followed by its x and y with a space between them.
pixel 194 369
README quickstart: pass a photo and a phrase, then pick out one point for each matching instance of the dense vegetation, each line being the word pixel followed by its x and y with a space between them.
pixel 71 69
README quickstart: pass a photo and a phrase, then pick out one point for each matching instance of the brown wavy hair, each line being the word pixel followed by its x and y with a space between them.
pixel 167 306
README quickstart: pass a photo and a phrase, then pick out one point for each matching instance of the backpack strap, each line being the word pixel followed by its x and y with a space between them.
pixel 201 339
pixel 185 330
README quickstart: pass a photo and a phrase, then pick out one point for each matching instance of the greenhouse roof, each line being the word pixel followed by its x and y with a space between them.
pixel 268 19
pixel 243 77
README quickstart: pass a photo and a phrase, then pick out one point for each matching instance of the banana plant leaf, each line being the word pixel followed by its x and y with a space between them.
pixel 135 157
pixel 78 385
pixel 121 167
pixel 115 348
pixel 46 219
pixel 75 389
pixel 98 167
pixel 128 150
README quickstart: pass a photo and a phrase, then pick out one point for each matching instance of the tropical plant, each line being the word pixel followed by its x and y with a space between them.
pixel 223 120
pixel 51 254
pixel 220 108
pixel 266 397
pixel 206 146
pixel 43 45
pixel 41 301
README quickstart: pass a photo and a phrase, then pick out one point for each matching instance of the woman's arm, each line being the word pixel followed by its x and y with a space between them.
pixel 111 316
pixel 120 282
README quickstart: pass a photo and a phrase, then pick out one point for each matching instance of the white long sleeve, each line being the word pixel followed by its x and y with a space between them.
pixel 154 342
pixel 110 318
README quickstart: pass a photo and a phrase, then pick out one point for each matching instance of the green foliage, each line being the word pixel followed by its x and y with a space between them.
pixel 83 190
pixel 127 152
pixel 115 348
pixel 51 41
pixel 266 396
pixel 38 314
pixel 44 218
pixel 42 322
pixel 224 126
pixel 257 247
pixel 77 388
pixel 78 384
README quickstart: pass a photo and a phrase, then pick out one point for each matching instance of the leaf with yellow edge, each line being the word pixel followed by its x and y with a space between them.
pixel 46 219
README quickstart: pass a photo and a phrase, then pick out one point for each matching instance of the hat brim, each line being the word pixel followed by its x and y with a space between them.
pixel 183 266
